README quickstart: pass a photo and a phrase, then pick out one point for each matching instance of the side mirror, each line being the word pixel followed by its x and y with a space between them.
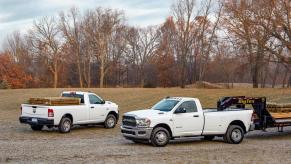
pixel 180 110
pixel 103 102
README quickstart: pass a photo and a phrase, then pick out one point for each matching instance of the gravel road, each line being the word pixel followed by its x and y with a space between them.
pixel 19 144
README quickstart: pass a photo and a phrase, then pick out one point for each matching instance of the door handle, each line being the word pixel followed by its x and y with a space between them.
pixel 92 107
pixel 196 116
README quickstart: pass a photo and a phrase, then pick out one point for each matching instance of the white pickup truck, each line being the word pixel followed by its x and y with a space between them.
pixel 92 110
pixel 176 117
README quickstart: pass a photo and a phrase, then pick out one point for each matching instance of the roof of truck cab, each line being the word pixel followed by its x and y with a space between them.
pixel 76 92
pixel 181 98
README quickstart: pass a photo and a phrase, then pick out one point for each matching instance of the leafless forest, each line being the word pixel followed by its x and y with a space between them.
pixel 234 41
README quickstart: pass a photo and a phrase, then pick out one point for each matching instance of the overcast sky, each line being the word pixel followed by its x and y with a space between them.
pixel 18 15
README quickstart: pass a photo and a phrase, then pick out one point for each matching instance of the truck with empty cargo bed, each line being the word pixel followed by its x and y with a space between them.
pixel 178 117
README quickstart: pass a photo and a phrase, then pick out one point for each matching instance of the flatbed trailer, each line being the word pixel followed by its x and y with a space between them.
pixel 262 118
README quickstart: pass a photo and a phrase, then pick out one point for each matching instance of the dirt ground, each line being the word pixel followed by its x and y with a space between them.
pixel 19 144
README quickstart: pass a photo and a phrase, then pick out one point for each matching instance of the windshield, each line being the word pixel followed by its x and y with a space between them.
pixel 165 105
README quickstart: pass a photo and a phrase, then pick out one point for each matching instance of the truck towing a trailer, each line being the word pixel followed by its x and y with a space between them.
pixel 177 117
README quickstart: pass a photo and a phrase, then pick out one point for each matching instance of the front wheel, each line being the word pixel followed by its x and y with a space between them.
pixel 234 134
pixel 160 137
pixel 65 125
pixel 36 127
pixel 110 121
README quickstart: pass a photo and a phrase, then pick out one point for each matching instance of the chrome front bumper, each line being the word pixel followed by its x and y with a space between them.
pixel 136 133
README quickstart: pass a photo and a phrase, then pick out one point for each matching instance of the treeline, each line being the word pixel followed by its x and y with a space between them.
pixel 235 41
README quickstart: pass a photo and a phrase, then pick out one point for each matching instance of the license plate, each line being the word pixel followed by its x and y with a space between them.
pixel 34 120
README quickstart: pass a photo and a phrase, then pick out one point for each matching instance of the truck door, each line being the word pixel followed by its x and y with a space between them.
pixel 97 109
pixel 187 120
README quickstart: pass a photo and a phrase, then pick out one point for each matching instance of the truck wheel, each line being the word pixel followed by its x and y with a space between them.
pixel 110 121
pixel 160 137
pixel 209 138
pixel 65 125
pixel 234 134
pixel 36 127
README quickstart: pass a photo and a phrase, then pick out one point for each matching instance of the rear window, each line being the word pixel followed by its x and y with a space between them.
pixel 74 95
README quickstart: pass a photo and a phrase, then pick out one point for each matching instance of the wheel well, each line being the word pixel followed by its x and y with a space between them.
pixel 166 127
pixel 239 123
pixel 68 116
pixel 115 114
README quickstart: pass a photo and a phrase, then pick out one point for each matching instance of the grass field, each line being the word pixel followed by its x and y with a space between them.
pixel 19 144
pixel 136 98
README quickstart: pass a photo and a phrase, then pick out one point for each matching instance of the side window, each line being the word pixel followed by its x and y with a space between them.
pixel 94 99
pixel 190 106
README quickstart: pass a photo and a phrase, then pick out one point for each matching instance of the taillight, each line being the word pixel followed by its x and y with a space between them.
pixel 21 110
pixel 50 113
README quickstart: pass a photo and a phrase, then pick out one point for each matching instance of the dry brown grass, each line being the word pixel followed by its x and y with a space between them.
pixel 136 98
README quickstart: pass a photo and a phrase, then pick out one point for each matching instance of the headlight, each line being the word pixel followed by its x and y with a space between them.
pixel 145 122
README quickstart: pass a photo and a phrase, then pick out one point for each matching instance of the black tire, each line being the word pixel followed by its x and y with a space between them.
pixel 36 127
pixel 65 125
pixel 160 137
pixel 110 121
pixel 234 134
pixel 209 138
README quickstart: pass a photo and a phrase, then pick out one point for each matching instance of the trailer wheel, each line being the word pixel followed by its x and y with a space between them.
pixel 65 125
pixel 234 134
pixel 160 137
pixel 36 127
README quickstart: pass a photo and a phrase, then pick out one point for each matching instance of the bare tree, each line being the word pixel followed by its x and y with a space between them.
pixel 183 14
pixel 243 21
pixel 70 26
pixel 101 24
pixel 46 42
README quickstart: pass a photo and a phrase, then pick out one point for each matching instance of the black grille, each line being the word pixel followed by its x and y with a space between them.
pixel 128 132
pixel 128 121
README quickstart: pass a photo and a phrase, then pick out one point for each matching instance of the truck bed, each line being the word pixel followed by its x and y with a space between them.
pixel 207 110
pixel 216 122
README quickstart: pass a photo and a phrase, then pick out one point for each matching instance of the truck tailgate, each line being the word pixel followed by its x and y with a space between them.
pixel 34 111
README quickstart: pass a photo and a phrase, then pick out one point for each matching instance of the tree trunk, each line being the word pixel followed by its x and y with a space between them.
pixel 275 75
pixel 285 78
pixel 55 72
pixel 89 74
pixel 142 80
pixel 80 73
pixel 101 85
pixel 182 85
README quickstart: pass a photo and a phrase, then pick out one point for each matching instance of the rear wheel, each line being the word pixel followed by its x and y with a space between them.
pixel 234 134
pixel 110 121
pixel 209 138
pixel 36 127
pixel 65 125
pixel 160 137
